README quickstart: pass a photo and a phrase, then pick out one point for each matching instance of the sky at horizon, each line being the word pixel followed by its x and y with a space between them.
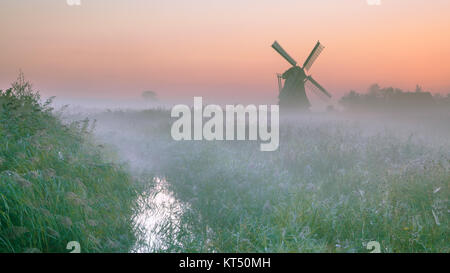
pixel 221 49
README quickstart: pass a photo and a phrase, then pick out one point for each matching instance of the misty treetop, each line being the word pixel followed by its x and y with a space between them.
pixel 389 98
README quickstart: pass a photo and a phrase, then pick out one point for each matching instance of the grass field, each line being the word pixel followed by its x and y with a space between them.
pixel 335 184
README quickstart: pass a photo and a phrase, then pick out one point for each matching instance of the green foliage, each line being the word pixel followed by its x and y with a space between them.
pixel 55 185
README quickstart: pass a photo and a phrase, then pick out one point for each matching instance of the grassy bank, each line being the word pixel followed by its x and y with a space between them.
pixel 55 184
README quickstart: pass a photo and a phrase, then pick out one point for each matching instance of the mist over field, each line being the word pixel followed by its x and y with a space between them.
pixel 338 181
pixel 372 170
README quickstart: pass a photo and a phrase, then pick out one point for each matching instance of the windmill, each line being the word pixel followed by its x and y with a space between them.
pixel 292 94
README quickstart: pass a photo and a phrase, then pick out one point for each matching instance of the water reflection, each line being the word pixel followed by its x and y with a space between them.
pixel 158 217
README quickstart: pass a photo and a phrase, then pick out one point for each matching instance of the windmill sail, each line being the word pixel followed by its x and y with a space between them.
pixel 316 86
pixel 283 53
pixel 313 56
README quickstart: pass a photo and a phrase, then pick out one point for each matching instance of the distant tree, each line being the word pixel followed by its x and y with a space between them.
pixel 374 90
pixel 351 99
pixel 389 98
pixel 418 88
pixel 149 95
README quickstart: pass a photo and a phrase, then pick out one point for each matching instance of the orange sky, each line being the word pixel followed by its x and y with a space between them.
pixel 221 49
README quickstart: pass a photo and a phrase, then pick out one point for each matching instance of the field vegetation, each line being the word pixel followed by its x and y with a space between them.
pixel 336 183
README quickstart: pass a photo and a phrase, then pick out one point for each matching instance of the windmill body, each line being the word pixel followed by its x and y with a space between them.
pixel 293 93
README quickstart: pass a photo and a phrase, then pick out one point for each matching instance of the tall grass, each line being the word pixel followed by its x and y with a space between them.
pixel 55 184
pixel 333 186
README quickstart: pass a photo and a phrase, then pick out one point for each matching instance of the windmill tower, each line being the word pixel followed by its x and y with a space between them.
pixel 292 94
